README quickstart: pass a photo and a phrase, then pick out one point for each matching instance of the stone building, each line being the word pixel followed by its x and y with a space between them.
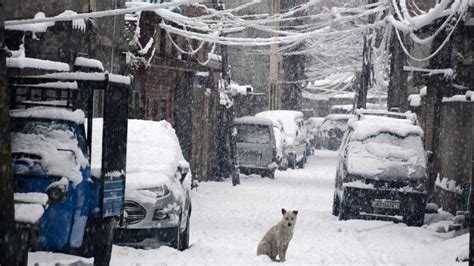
pixel 181 88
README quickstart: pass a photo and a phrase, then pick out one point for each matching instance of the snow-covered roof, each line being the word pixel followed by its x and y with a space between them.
pixel 87 62
pixel 368 126
pixel 153 153
pixel 76 116
pixel 25 62
pixel 254 120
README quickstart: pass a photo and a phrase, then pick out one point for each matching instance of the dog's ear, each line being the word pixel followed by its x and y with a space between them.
pixel 295 212
pixel 283 211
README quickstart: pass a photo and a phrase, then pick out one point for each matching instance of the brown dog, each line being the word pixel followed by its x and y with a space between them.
pixel 276 240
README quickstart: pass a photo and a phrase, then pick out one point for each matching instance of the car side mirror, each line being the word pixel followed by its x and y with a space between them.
pixel 183 171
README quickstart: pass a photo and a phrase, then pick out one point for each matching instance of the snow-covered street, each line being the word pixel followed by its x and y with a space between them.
pixel 228 222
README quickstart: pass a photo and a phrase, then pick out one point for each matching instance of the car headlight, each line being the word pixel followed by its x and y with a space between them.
pixel 159 191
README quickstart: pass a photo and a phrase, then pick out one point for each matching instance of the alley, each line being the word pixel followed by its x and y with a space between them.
pixel 228 222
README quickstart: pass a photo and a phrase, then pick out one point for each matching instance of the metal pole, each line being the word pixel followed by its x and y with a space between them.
pixel 7 215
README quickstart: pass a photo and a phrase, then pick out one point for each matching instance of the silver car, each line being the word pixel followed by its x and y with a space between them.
pixel 157 201
pixel 256 146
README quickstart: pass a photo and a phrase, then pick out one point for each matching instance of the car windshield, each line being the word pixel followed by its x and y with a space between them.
pixel 257 134
pixel 331 124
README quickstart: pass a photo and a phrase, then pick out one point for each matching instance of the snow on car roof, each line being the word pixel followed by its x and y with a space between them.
pixel 286 117
pixel 369 126
pixel 153 153
pixel 387 157
pixel 57 148
pixel 76 116
pixel 254 120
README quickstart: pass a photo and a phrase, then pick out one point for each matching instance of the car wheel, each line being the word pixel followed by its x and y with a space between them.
pixel 176 242
pixel 302 163
pixel 344 212
pixel 185 234
pixel 271 174
pixel 335 205
pixel 103 236
pixel 292 161
pixel 416 220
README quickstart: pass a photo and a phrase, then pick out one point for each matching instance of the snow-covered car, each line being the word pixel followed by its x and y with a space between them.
pixel 256 146
pixel 381 172
pixel 157 202
pixel 331 132
pixel 295 134
pixel 312 125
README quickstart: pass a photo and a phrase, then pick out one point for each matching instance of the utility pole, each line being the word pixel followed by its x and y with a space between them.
pixel 227 147
pixel 397 88
pixel 7 211
pixel 366 72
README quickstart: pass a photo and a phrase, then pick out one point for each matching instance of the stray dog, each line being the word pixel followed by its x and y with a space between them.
pixel 276 240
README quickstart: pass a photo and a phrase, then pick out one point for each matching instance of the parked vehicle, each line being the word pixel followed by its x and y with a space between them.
pixel 157 202
pixel 256 146
pixel 312 125
pixel 381 172
pixel 295 134
pixel 331 132
pixel 51 155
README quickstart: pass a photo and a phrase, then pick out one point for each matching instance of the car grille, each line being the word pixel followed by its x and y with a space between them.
pixel 135 212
